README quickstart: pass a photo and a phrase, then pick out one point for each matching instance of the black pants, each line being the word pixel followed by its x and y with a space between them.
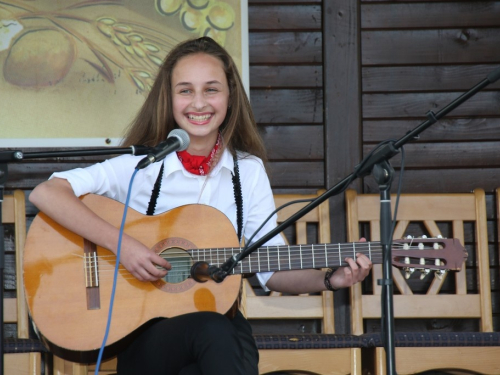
pixel 193 344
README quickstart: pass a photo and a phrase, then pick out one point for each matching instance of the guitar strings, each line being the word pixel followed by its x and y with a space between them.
pixel 267 252
pixel 303 254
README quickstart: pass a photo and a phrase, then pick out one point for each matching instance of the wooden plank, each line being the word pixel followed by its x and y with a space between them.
pixel 441 180
pixel 107 367
pixel 10 310
pixel 426 78
pixel 448 155
pixel 297 174
pixel 285 47
pixel 286 76
pixel 429 306
pixel 284 17
pixel 22 363
pixel 430 14
pixel 287 106
pixel 309 307
pixel 442 46
pixel 342 118
pixel 28 175
pixel 324 361
pixel 446 129
pixel 342 112
pixel 484 103
pixel 290 142
pixel 468 360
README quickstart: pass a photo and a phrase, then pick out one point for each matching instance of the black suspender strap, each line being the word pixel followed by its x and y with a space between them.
pixel 155 193
pixel 238 197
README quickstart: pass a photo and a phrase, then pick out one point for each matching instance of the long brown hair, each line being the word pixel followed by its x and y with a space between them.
pixel 155 119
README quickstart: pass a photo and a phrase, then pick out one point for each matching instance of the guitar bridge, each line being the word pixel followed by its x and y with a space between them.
pixel 90 266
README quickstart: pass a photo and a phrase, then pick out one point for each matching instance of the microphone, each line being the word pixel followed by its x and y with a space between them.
pixel 494 76
pixel 177 140
pixel 202 272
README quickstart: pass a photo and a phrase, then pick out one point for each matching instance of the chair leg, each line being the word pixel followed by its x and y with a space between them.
pixel 35 363
pixel 356 364
pixel 62 367
pixel 380 365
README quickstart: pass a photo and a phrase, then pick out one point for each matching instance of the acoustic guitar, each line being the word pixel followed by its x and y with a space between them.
pixel 68 280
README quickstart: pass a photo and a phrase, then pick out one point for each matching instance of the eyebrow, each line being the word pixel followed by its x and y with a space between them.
pixel 214 82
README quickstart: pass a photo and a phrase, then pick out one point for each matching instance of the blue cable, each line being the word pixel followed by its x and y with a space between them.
pixel 117 264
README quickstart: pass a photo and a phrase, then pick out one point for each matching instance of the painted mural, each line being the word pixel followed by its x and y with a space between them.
pixel 76 72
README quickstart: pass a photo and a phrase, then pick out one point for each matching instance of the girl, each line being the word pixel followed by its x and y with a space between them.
pixel 197 89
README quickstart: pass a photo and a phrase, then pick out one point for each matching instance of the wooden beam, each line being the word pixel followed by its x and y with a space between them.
pixel 342 114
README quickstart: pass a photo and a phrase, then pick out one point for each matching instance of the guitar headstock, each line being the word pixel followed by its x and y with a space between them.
pixel 427 254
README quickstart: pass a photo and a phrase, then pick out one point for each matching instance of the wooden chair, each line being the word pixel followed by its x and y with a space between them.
pixel 468 351
pixel 22 354
pixel 64 367
pixel 273 307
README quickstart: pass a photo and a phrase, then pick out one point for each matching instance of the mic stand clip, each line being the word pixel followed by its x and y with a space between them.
pixel 202 271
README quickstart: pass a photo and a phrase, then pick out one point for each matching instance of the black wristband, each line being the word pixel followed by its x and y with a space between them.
pixel 328 274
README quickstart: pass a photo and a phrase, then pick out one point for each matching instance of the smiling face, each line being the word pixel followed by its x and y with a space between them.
pixel 200 98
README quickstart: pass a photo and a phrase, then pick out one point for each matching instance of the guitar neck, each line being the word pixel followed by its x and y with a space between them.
pixel 293 257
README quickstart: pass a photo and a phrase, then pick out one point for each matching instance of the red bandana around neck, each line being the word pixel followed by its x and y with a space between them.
pixel 199 165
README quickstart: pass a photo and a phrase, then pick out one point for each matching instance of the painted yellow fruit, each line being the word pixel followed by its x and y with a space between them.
pixel 198 4
pixel 221 16
pixel 39 58
pixel 168 7
pixel 191 19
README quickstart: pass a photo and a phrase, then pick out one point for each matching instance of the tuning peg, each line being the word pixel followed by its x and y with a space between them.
pixel 424 272
pixel 439 274
pixel 408 272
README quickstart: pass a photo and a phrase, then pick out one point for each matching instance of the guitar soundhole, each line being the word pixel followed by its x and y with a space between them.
pixel 181 265
pixel 178 278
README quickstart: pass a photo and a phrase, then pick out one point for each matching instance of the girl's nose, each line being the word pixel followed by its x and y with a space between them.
pixel 199 101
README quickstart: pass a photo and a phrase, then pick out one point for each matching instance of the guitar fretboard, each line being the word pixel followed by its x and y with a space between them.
pixel 284 257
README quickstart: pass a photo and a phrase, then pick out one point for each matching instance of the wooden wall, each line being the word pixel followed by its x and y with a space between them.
pixel 286 89
pixel 331 79
pixel 420 56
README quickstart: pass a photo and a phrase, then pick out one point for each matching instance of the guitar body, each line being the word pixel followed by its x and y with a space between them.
pixel 68 281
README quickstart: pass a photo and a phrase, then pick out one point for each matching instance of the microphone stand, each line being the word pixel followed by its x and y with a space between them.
pixel 13 156
pixel 378 165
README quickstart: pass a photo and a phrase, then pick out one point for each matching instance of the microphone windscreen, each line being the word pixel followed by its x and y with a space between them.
pixel 183 137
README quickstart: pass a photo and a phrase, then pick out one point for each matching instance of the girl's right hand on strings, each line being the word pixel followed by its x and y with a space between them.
pixel 142 262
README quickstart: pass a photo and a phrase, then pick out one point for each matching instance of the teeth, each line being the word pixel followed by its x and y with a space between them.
pixel 199 118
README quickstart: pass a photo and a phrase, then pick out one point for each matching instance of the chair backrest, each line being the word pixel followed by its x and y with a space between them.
pixel 15 309
pixel 307 306
pixel 432 215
